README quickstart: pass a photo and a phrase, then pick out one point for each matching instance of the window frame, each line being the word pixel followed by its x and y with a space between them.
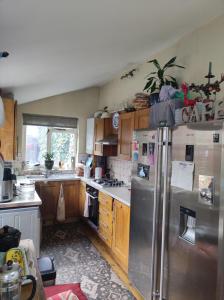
pixel 50 130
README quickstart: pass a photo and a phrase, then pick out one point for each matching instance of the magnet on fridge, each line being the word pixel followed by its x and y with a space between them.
pixel 151 154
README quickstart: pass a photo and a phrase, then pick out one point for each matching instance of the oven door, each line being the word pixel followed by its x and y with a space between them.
pixel 93 210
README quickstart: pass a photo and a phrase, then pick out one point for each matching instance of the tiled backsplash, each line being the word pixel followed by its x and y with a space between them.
pixel 120 169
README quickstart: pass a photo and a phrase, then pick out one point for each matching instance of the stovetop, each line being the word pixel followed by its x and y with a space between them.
pixel 104 182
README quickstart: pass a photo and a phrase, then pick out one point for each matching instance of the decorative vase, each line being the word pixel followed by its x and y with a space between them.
pixel 49 164
pixel 154 98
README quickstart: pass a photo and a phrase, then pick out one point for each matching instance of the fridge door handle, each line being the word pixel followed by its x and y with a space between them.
pixel 166 148
pixel 155 239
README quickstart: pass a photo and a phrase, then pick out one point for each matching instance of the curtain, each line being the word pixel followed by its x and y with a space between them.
pixel 50 121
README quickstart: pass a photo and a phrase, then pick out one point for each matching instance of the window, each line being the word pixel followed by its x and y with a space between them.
pixel 60 141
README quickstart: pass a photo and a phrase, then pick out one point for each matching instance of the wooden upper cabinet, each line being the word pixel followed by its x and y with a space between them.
pixel 142 119
pixel 99 135
pixel 103 129
pixel 125 132
pixel 121 228
pixel 7 131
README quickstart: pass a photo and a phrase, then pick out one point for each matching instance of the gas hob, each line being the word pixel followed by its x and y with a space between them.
pixel 104 182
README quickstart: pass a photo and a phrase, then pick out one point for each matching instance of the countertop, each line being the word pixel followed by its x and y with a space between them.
pixel 22 201
pixel 123 194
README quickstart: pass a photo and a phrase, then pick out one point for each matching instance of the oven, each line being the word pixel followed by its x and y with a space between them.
pixel 93 205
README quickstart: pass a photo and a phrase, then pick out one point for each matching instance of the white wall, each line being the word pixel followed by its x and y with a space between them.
pixel 77 104
pixel 194 51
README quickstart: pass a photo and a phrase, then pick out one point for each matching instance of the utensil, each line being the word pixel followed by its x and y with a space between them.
pixel 11 281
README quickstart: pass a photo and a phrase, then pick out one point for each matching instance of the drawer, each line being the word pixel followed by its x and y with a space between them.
pixel 105 236
pixel 106 227
pixel 106 216
pixel 106 201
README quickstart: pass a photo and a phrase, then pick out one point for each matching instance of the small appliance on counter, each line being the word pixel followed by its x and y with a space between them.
pixel 98 172
pixel 7 180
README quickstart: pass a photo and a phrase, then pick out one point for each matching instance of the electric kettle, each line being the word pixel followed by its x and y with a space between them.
pixel 11 280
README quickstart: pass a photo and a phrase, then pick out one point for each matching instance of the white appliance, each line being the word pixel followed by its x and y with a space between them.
pixel 89 135
pixel 98 173
pixel 87 172
pixel 26 220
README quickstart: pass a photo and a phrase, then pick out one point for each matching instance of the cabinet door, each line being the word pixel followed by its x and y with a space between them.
pixel 121 227
pixel 142 119
pixel 49 194
pixel 71 198
pixel 82 198
pixel 27 220
pixel 125 132
pixel 7 131
pixel 99 135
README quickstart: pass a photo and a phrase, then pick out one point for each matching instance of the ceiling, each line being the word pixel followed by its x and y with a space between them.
pixel 58 46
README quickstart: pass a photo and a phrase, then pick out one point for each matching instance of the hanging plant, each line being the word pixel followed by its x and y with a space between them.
pixel 159 78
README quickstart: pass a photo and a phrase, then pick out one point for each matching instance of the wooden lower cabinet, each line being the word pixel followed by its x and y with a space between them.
pixel 71 198
pixel 82 198
pixel 121 228
pixel 114 226
pixel 49 194
pixel 105 218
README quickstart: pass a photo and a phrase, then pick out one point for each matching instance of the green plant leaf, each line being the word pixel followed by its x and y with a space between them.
pixel 148 84
pixel 174 65
pixel 153 88
pixel 156 63
pixel 152 73
pixel 160 74
pixel 171 61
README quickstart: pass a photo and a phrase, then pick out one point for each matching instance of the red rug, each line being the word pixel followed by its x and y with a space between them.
pixel 57 289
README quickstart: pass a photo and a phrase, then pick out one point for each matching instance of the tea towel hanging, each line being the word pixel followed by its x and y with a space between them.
pixel 61 206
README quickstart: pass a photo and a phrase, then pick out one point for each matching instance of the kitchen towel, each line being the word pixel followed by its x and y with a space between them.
pixel 61 206
pixel 87 204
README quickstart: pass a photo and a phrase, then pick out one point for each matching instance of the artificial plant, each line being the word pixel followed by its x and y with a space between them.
pixel 158 78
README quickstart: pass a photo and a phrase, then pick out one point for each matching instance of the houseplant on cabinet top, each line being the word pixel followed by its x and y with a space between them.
pixel 159 78
pixel 49 162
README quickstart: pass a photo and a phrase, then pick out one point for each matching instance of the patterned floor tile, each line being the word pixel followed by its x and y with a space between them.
pixel 77 260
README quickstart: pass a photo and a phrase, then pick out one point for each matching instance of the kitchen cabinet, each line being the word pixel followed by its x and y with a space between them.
pixel 71 198
pixel 105 218
pixel 121 228
pixel 142 119
pixel 82 197
pixel 125 132
pixel 26 220
pixel 7 131
pixel 49 194
pixel 103 129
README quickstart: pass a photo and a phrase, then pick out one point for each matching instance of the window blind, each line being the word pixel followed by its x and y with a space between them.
pixel 50 121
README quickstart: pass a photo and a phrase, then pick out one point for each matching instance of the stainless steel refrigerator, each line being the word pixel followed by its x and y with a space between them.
pixel 177 215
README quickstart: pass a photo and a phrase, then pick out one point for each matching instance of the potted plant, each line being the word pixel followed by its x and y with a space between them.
pixel 49 162
pixel 159 78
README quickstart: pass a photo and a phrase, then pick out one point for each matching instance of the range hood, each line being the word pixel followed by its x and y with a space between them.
pixel 109 140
